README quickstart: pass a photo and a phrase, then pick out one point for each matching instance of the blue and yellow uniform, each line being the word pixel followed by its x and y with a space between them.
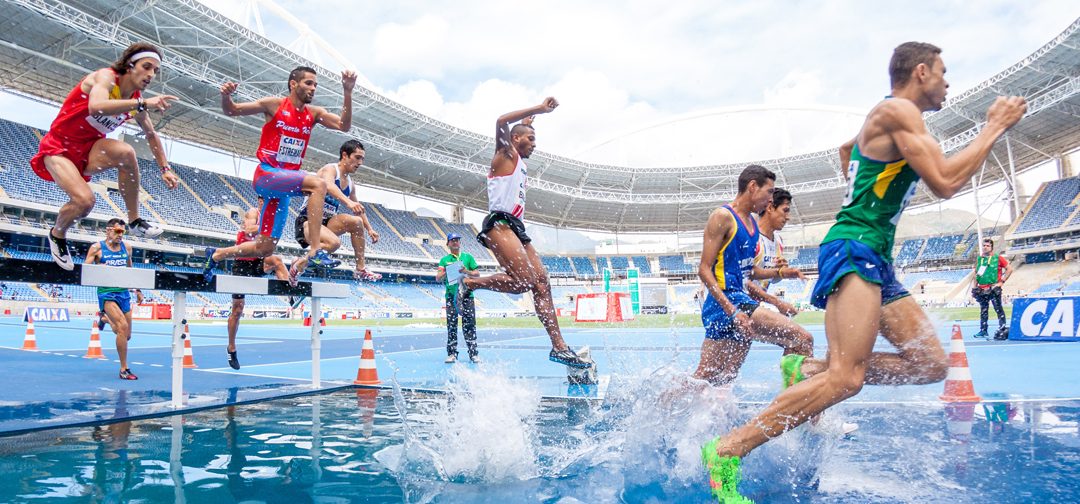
pixel 122 297
pixel 733 264
pixel 862 239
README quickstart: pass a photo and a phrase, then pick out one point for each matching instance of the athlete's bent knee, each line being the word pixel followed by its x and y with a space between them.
pixel 847 383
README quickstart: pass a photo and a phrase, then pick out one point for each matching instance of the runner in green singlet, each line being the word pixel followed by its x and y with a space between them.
pixel 857 286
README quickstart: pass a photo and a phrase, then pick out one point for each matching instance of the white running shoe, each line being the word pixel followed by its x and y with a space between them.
pixel 143 229
pixel 60 254
pixel 450 359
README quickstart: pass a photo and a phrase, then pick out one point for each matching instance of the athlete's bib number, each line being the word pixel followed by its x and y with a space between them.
pixel 852 171
pixel 290 150
pixel 904 203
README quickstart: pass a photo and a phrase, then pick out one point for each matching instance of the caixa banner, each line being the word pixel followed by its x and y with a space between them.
pixel 1045 319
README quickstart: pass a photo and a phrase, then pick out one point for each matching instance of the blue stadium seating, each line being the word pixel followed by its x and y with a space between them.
pixel 675 264
pixel 909 250
pixel 583 265
pixel 557 266
pixel 642 264
pixel 806 258
pixel 941 247
pixel 1054 205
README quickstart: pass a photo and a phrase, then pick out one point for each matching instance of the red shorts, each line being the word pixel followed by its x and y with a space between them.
pixel 52 145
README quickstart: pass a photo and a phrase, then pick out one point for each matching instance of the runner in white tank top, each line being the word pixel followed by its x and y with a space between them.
pixel 770 251
pixel 507 193
pixel 504 233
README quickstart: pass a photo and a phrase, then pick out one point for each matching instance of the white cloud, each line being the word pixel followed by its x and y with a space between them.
pixel 411 47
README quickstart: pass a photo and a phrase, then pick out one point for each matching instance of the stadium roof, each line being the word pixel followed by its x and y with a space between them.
pixel 46 46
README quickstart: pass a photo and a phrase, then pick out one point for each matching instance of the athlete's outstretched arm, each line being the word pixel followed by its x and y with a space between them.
pixel 98 101
pixel 502 124
pixel 341 122
pixel 266 105
pixel 158 150
pixel 945 177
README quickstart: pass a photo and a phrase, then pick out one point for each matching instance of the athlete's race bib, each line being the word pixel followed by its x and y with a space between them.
pixel 982 269
pixel 106 124
pixel 290 150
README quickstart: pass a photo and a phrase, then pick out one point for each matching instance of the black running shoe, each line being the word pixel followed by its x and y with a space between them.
pixel 233 361
pixel 568 358
pixel 128 375
pixel 143 229
pixel 60 254
pixel 101 322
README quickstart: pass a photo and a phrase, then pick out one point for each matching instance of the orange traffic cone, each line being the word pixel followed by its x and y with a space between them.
pixel 94 350
pixel 189 358
pixel 366 400
pixel 30 341
pixel 367 374
pixel 958 385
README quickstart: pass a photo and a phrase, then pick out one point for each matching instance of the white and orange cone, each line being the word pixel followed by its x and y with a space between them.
pixel 94 350
pixel 30 341
pixel 958 384
pixel 189 357
pixel 367 374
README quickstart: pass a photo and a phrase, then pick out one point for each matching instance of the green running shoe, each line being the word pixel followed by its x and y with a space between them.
pixel 791 369
pixel 723 474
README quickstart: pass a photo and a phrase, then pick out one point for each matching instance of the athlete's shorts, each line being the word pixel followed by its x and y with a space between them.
pixel 54 145
pixel 496 217
pixel 301 223
pixel 840 257
pixel 121 298
pixel 247 268
pixel 718 324
pixel 276 186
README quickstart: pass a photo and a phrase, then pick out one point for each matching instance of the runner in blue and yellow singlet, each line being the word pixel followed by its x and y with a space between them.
pixel 857 286
pixel 115 302
pixel 729 315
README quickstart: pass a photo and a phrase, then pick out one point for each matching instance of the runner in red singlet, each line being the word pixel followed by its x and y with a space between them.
pixel 75 148
pixel 278 177
pixel 250 267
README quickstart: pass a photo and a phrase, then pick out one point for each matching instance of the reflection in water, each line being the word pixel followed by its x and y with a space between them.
pixel 496 441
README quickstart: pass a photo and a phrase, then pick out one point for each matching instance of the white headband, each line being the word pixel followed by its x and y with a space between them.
pixel 145 54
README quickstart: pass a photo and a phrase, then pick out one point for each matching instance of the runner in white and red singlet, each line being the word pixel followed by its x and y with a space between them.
pixel 278 177
pixel 75 148
pixel 504 233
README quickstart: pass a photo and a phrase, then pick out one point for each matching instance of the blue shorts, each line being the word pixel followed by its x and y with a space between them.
pixel 122 299
pixel 840 257
pixel 718 324
pixel 276 186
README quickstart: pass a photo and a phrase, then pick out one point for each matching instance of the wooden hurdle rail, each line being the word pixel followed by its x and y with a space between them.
pixel 97 275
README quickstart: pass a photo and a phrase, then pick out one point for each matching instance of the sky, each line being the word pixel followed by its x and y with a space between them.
pixel 620 67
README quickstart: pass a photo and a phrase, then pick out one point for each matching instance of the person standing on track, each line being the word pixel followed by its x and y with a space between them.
pixel 115 302
pixel 467 266
pixel 504 232
pixel 75 148
pixel 857 286
pixel 991 272
pixel 340 191
pixel 278 177
pixel 249 267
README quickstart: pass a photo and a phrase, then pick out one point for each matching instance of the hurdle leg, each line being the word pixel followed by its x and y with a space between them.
pixel 316 344
pixel 179 316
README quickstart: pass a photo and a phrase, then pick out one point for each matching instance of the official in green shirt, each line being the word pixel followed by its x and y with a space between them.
pixel 468 306
pixel 991 272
